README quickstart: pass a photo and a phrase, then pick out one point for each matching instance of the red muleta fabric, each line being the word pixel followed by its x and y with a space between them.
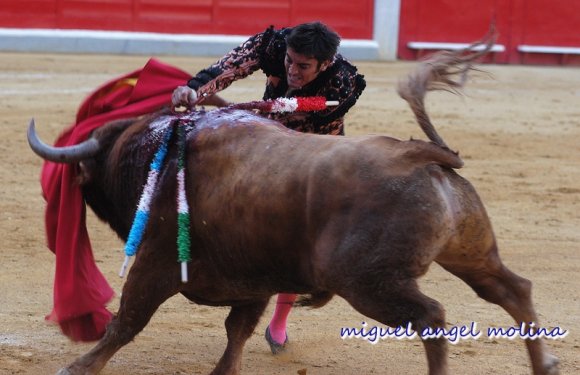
pixel 81 292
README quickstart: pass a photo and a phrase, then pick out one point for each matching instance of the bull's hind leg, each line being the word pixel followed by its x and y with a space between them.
pixel 240 325
pixel 148 285
pixel 396 303
pixel 495 283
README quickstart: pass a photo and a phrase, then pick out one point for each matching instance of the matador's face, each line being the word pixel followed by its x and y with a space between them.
pixel 301 69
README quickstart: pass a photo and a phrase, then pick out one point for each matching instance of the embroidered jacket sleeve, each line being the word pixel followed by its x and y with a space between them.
pixel 239 63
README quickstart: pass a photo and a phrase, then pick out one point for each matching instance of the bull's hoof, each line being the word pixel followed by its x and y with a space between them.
pixel 274 346
pixel 551 365
pixel 63 371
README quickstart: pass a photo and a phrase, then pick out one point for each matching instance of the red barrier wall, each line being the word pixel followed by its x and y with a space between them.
pixel 519 22
pixel 552 23
pixel 351 19
pixel 547 23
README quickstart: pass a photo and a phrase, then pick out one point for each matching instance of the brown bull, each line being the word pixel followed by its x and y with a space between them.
pixel 276 211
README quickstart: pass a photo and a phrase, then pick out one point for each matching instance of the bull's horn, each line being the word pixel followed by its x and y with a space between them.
pixel 67 154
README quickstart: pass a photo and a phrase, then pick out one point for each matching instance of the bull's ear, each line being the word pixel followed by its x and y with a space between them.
pixel 84 174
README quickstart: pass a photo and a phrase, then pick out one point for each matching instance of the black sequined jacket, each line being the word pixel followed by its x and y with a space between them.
pixel 267 51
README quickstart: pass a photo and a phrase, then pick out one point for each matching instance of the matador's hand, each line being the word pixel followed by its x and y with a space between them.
pixel 184 96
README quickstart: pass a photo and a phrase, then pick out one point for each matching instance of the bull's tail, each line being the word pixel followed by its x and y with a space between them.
pixel 445 70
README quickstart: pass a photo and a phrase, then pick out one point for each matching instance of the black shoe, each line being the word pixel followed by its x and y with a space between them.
pixel 274 346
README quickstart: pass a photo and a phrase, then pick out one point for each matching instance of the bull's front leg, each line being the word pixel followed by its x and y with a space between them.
pixel 93 362
pixel 240 325
pixel 149 283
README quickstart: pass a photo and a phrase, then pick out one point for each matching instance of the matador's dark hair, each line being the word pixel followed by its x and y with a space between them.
pixel 314 39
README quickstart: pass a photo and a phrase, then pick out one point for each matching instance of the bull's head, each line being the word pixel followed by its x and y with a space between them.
pixel 99 176
pixel 66 154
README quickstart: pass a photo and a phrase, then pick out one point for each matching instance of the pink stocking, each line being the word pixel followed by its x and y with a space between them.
pixel 278 323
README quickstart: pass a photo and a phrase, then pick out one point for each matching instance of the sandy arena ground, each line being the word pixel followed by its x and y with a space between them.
pixel 518 131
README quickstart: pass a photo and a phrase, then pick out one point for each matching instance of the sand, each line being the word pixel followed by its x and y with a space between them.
pixel 518 130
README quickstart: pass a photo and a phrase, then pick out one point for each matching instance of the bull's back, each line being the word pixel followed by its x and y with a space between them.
pixel 273 199
pixel 250 184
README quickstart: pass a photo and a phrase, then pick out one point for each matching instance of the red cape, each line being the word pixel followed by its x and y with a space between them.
pixel 81 292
